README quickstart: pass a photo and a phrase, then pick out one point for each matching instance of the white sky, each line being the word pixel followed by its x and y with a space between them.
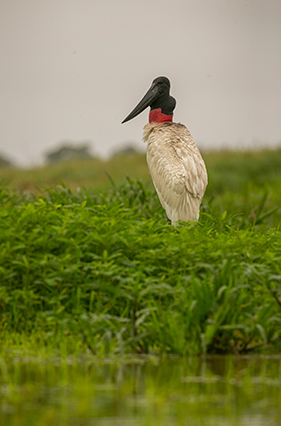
pixel 74 69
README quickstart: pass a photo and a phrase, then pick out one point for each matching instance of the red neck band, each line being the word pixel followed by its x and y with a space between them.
pixel 157 116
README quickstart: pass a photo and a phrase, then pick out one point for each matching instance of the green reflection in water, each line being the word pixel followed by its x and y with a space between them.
pixel 145 391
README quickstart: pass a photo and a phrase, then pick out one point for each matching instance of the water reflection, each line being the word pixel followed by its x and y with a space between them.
pixel 144 391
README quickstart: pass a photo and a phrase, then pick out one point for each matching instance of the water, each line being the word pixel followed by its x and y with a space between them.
pixel 244 391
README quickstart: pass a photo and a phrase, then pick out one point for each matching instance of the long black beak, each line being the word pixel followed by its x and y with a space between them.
pixel 147 100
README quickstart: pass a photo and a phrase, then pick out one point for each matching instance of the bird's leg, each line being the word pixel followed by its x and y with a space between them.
pixel 168 220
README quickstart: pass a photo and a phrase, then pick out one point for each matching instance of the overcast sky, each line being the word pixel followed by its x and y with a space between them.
pixel 74 69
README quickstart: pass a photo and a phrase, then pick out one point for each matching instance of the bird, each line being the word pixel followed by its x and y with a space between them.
pixel 176 166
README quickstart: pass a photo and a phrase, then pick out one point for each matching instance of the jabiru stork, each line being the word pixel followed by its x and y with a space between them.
pixel 177 169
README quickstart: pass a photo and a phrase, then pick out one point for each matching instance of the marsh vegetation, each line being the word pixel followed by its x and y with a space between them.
pixel 102 271
pixel 110 316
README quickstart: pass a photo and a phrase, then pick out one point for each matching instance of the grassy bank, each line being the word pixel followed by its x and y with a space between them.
pixel 95 174
pixel 228 171
pixel 103 272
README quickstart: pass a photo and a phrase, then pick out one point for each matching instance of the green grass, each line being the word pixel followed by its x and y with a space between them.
pixel 83 271
pixel 228 171
pixel 92 173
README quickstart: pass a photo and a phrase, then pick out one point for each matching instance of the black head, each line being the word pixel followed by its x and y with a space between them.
pixel 158 96
pixel 163 83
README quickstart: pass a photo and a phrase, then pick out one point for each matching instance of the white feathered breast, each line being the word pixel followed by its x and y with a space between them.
pixel 177 169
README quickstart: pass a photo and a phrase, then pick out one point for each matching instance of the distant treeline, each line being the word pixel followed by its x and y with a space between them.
pixel 68 150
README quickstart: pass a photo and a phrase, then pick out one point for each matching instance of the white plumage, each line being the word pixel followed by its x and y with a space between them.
pixel 177 169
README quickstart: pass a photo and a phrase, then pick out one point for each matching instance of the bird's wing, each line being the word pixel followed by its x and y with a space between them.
pixel 177 170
